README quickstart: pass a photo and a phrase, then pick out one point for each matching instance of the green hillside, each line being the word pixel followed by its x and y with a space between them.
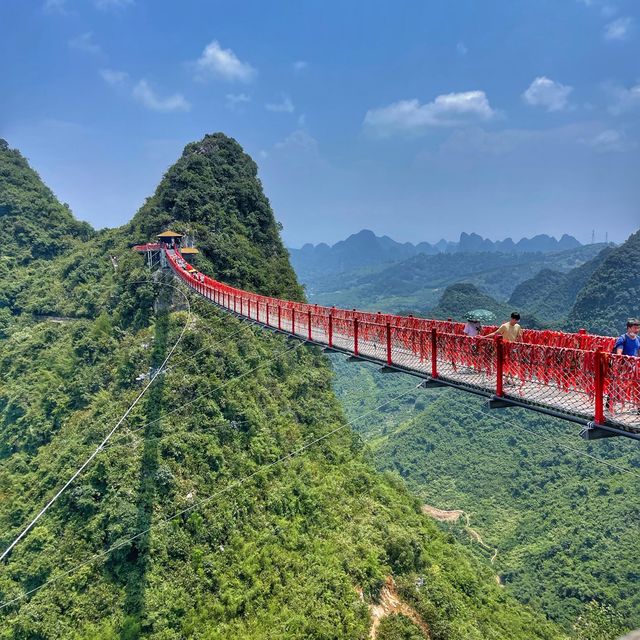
pixel 195 521
pixel 612 293
pixel 559 528
pixel 550 295
pixel 458 299
pixel 31 216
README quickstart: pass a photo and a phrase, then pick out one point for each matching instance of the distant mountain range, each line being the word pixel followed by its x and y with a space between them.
pixel 365 248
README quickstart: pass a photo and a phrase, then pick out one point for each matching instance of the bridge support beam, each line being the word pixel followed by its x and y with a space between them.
pixel 432 383
pixel 386 369
pixel 593 431
pixel 496 402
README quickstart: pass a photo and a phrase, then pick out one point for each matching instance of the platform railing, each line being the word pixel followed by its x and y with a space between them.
pixel 586 381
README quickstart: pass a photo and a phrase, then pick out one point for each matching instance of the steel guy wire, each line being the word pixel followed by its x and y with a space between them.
pixel 83 466
pixel 203 501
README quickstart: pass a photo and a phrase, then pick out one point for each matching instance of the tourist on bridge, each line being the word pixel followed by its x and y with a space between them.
pixel 510 331
pixel 628 344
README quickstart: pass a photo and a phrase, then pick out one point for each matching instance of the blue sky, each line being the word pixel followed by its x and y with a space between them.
pixel 415 119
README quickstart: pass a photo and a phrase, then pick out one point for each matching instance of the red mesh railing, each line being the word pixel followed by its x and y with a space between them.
pixel 622 388
pixel 573 374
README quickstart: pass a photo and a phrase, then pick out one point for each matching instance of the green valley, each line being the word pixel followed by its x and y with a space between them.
pixel 236 501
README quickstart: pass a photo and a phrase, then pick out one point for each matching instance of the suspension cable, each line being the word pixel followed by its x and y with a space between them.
pixel 84 465
pixel 203 501
pixel 161 370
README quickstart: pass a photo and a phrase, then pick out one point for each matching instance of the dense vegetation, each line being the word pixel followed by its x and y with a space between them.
pixel 550 294
pixel 187 524
pixel 563 526
pixel 212 193
pixel 458 299
pixel 612 293
pixel 37 225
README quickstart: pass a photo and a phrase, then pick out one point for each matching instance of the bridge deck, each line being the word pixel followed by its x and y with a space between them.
pixel 582 382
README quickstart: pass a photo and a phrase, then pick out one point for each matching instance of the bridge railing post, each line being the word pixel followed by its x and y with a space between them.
pixel 267 314
pixel 279 318
pixel 499 366
pixel 355 335
pixel 258 310
pixel 434 353
pixel 388 343
pixel 599 376
pixel 581 334
pixel 330 329
pixel 293 320
pixel 309 328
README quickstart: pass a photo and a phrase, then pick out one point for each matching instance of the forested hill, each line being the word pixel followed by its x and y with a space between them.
pixel 187 525
pixel 30 215
pixel 613 289
pixel 551 294
pixel 213 193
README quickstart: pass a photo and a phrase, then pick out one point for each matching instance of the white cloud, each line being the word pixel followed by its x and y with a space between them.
pixel 298 140
pixel 607 9
pixel 284 106
pixel 105 5
pixel 461 48
pixel 609 140
pixel 619 29
pixel 55 6
pixel 300 65
pixel 86 43
pixel 544 92
pixel 114 78
pixel 623 99
pixel 234 100
pixel 223 63
pixel 409 116
pixel 144 94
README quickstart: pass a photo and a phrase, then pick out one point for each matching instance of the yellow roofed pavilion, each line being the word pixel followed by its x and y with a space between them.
pixel 170 234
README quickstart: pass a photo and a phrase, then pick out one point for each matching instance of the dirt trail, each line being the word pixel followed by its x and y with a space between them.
pixel 453 516
pixel 441 514
pixel 389 604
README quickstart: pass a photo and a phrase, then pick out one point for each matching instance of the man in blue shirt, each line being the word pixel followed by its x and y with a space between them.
pixel 628 344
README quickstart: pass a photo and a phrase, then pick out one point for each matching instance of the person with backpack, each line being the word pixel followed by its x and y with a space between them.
pixel 628 344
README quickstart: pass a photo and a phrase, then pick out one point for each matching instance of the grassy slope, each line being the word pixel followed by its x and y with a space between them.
pixel 565 526
pixel 276 556
pixel 550 295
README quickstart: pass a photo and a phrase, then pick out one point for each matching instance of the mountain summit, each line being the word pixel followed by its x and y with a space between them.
pixel 36 223
pixel 213 194
pixel 365 248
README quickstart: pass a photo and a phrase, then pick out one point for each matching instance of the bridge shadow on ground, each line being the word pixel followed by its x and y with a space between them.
pixel 138 559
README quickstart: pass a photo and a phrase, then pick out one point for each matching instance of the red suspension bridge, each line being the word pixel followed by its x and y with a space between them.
pixel 573 376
